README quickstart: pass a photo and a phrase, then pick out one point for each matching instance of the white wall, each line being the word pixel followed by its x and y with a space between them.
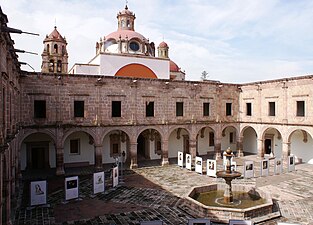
pixel 301 149
pixel 110 64
pixel 203 143
pixel 85 69
pixel 174 144
pixel 87 152
pixel 153 155
pixel 106 158
pixel 225 140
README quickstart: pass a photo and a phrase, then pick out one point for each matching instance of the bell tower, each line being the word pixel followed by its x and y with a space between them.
pixel 54 55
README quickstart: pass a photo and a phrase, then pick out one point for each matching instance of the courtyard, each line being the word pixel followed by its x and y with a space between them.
pixel 152 192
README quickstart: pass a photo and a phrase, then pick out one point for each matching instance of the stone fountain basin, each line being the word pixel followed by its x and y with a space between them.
pixel 224 214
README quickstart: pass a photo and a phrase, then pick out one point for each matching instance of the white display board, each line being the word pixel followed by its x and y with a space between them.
pixel 71 187
pixel 198 165
pixel 180 159
pixel 278 166
pixel 233 166
pixel 188 161
pixel 264 167
pixel 249 169
pixel 199 222
pixel 240 222
pixel 211 167
pixel 38 193
pixel 291 163
pixel 155 222
pixel 115 176
pixel 98 182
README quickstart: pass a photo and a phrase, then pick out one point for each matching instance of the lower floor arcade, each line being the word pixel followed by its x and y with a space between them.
pixel 60 148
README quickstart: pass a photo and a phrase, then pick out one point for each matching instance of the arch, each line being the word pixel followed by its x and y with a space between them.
pixel 149 144
pixel 301 143
pixel 136 70
pixel 37 149
pixel 30 132
pixel 78 148
pixel 114 142
pixel 55 48
pixel 71 131
pixel 51 65
pixel 272 141
pixel 148 128
pixel 249 140
pixel 205 140
pixel 178 140
pixel 125 130
pixel 229 137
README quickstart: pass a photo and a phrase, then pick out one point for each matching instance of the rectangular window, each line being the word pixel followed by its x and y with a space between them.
pixel 40 109
pixel 231 137
pixel 211 139
pixel 79 108
pixel 75 146
pixel 206 109
pixel 149 109
pixel 249 109
pixel 228 109
pixel 179 109
pixel 116 108
pixel 300 108
pixel 271 106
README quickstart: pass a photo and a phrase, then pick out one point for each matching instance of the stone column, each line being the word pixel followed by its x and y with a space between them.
pixel 98 157
pixel 240 147
pixel 193 148
pixel 133 155
pixel 217 148
pixel 164 152
pixel 260 146
pixel 1 185
pixel 7 197
pixel 60 161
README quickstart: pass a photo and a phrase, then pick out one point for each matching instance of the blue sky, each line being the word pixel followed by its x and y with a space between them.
pixel 235 41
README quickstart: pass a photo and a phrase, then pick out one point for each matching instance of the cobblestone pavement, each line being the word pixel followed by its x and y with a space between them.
pixel 154 193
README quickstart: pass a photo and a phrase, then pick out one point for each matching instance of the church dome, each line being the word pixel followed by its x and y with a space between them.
pixel 126 34
pixel 174 67
pixel 163 45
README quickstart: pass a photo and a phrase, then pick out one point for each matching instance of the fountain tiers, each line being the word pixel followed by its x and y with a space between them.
pixel 224 214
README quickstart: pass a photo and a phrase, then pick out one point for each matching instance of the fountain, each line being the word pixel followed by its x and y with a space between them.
pixel 246 202
pixel 228 175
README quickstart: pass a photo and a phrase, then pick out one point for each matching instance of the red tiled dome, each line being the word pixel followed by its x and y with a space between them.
pixel 174 67
pixel 55 35
pixel 125 33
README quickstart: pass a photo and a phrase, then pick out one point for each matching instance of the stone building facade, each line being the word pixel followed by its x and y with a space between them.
pixel 58 120
pixel 10 95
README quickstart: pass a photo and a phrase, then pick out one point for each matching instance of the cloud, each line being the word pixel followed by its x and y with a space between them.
pixel 235 41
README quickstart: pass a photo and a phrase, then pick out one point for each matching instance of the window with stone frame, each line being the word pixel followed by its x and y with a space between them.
pixel 206 109
pixel 149 109
pixel 300 108
pixel 79 108
pixel 51 66
pixel 59 66
pixel 211 139
pixel 116 108
pixel 179 108
pixel 39 109
pixel 228 109
pixel 271 109
pixel 75 146
pixel 115 145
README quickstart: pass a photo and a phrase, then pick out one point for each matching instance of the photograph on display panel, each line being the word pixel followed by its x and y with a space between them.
pixel 180 159
pixel 188 161
pixel 291 163
pixel 264 167
pixel 278 166
pixel 38 193
pixel 198 165
pixel 249 169
pixel 98 182
pixel 71 188
pixel 115 176
pixel 211 167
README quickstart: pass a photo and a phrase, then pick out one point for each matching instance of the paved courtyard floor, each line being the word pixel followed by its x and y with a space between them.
pixel 153 192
